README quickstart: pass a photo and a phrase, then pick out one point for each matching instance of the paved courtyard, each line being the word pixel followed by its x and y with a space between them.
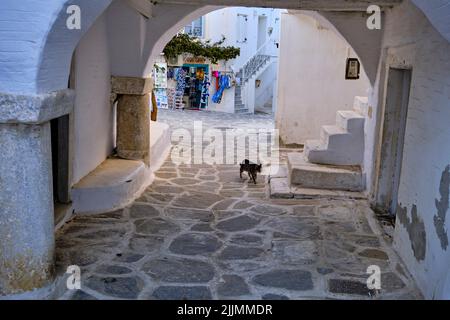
pixel 200 232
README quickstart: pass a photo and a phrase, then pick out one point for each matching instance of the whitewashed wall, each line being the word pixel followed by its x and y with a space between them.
pixel 311 78
pixel 265 92
pixel 93 115
pixel 411 41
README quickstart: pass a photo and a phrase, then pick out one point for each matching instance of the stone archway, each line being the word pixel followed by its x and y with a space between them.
pixel 48 71
pixel 165 37
pixel 59 42
pixel 41 67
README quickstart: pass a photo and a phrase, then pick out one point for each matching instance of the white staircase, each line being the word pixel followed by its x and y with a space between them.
pixel 334 161
pixel 342 143
pixel 239 106
pixel 252 68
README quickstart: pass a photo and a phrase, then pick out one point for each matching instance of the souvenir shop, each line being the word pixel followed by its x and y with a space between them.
pixel 190 85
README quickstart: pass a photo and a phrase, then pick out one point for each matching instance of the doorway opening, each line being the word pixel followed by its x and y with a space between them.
pixel 393 136
pixel 262 31
pixel 196 88
pixel 60 165
pixel 60 142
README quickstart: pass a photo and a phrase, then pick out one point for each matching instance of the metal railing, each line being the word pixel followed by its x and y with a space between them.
pixel 249 69
pixel 251 66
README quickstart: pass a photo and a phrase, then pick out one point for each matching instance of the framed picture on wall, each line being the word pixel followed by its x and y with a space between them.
pixel 353 69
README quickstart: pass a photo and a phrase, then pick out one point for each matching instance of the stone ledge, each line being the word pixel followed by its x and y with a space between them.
pixel 130 85
pixel 160 144
pixel 112 185
pixel 116 182
pixel 304 174
pixel 35 109
pixel 280 189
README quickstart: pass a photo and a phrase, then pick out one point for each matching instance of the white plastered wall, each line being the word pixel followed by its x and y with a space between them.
pixel 93 115
pixel 311 78
pixel 410 41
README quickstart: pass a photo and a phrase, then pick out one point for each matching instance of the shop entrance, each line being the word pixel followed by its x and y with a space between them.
pixel 196 91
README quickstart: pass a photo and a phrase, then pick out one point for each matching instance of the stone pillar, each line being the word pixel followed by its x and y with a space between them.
pixel 26 191
pixel 133 117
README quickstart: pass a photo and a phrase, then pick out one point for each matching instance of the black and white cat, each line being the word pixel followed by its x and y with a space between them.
pixel 251 168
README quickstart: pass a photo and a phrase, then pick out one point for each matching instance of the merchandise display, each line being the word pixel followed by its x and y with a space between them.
pixel 223 81
pixel 188 86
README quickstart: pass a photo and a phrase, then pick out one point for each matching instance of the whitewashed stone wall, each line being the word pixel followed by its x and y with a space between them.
pixel 311 78
pixel 36 47
pixel 438 12
pixel 410 40
pixel 93 117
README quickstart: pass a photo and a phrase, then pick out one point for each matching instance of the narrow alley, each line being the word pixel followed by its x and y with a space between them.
pixel 225 150
pixel 200 232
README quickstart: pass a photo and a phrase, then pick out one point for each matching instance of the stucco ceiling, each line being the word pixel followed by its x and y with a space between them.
pixel 319 5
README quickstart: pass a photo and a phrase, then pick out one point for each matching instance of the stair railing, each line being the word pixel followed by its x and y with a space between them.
pixel 254 62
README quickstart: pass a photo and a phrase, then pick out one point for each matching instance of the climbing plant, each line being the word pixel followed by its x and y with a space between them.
pixel 183 43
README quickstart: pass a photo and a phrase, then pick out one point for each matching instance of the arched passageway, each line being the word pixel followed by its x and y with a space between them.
pixel 34 81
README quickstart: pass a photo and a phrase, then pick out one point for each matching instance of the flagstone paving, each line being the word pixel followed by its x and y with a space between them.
pixel 200 232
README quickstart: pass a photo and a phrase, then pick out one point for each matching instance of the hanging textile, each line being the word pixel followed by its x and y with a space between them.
pixel 216 75
pixel 171 93
pixel 224 83
pixel 170 73
pixel 229 81
pixel 180 76
pixel 205 92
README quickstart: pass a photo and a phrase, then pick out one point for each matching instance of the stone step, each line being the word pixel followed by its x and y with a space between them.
pixel 334 136
pixel 315 176
pixel 113 184
pixel 280 189
pixel 350 121
pixel 348 157
pixel 241 111
pixel 340 144
pixel 313 146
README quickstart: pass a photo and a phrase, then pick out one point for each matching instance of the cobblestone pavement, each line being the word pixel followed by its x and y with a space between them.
pixel 200 232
